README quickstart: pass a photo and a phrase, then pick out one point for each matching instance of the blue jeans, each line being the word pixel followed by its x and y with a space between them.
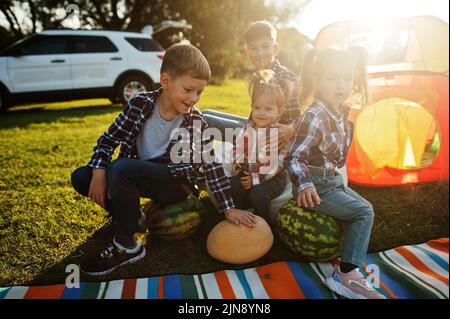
pixel 346 205
pixel 128 180
pixel 221 121
pixel 258 197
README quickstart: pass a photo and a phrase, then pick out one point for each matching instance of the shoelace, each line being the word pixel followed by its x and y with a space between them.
pixel 107 251
pixel 363 281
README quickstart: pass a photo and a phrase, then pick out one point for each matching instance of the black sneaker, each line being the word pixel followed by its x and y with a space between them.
pixel 113 256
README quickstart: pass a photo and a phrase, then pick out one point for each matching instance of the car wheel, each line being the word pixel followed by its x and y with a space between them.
pixel 130 86
pixel 5 100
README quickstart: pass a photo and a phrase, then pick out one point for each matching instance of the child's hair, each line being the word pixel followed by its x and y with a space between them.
pixel 264 81
pixel 260 30
pixel 316 62
pixel 184 59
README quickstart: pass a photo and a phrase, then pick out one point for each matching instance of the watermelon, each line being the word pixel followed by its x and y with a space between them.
pixel 173 221
pixel 312 235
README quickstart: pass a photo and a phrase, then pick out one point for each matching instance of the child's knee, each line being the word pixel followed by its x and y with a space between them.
pixel 81 179
pixel 368 212
pixel 258 194
pixel 116 170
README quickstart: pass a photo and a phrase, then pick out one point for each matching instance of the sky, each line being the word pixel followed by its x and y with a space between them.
pixel 319 13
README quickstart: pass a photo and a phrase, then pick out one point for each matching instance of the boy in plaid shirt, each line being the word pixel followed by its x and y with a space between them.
pixel 148 163
pixel 261 48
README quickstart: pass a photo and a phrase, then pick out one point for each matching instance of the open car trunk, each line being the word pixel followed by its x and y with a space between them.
pixel 402 136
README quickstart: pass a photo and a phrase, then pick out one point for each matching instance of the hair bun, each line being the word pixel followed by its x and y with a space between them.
pixel 265 79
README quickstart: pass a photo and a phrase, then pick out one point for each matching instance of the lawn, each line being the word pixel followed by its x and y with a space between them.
pixel 45 225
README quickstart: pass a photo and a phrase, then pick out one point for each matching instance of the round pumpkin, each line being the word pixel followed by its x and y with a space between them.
pixel 312 235
pixel 239 244
pixel 173 221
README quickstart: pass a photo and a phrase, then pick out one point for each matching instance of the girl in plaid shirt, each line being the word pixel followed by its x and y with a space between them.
pixel 257 176
pixel 322 140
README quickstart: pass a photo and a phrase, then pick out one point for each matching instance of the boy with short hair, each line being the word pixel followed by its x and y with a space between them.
pixel 261 48
pixel 145 167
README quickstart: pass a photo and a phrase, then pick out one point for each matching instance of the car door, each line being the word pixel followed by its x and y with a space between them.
pixel 96 61
pixel 41 63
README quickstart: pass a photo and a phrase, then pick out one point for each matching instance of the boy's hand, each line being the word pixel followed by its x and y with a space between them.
pixel 97 187
pixel 238 216
pixel 246 181
pixel 285 135
pixel 234 168
pixel 307 197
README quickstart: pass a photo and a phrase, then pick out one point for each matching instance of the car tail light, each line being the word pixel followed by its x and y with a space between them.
pixel 160 56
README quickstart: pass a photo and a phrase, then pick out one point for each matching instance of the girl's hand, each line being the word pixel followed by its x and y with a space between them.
pixel 285 135
pixel 246 181
pixel 238 216
pixel 97 187
pixel 307 197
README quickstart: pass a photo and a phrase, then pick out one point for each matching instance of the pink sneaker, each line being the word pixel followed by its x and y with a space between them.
pixel 352 285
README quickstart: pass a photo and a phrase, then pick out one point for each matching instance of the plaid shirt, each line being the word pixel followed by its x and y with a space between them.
pixel 249 149
pixel 125 130
pixel 319 142
pixel 292 111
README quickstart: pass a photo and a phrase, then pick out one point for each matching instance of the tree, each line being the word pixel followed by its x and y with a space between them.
pixel 217 26
pixel 130 15
pixel 46 14
pixel 6 7
pixel 293 46
pixel 6 37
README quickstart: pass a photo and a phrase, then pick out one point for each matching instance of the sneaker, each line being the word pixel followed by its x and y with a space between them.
pixel 113 256
pixel 352 285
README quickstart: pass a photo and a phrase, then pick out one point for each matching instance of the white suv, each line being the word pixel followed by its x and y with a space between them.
pixel 74 64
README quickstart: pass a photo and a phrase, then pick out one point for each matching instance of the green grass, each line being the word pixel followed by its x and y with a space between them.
pixel 45 225
pixel 231 97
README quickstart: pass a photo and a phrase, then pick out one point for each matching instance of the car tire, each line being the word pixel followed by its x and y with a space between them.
pixel 5 99
pixel 130 86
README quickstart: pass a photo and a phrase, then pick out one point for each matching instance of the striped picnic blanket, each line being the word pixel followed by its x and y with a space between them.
pixel 415 271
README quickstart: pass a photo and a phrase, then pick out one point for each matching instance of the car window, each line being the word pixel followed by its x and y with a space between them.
pixel 15 47
pixel 45 44
pixel 144 44
pixel 92 44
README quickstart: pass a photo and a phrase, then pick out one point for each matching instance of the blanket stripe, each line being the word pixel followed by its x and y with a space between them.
pixel 245 285
pixel 406 272
pixel 317 269
pixel 416 270
pixel 238 289
pixel 224 285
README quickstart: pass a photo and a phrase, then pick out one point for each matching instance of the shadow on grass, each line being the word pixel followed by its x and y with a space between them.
pixel 164 257
pixel 403 215
pixel 37 115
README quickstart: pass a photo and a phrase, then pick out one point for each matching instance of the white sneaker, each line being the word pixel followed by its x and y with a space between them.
pixel 352 285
